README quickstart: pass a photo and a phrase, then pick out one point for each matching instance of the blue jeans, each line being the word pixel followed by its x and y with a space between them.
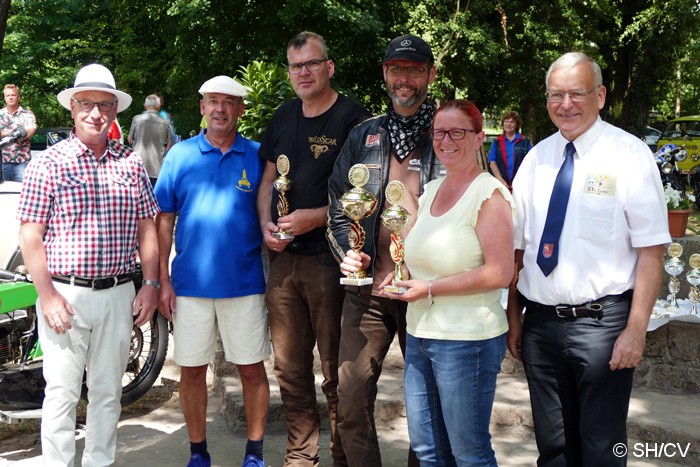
pixel 12 172
pixel 461 377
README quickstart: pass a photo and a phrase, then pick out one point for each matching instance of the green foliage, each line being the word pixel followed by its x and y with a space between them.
pixel 495 53
pixel 268 87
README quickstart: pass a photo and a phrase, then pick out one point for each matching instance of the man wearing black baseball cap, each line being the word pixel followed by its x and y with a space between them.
pixel 393 146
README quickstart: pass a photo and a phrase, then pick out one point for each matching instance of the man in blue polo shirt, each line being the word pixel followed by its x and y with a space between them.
pixel 209 183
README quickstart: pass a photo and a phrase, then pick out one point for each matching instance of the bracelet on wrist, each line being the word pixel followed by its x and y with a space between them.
pixel 430 293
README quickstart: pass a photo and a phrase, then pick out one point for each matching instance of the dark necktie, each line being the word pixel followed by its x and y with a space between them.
pixel 548 254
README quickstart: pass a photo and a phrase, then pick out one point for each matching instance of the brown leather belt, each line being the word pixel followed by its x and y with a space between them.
pixel 95 284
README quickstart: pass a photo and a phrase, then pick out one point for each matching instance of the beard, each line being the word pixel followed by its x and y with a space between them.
pixel 420 93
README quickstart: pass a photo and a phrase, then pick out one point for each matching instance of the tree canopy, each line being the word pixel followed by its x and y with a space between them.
pixel 493 52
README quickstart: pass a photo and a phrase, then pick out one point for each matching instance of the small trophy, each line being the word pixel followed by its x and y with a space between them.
pixel 395 219
pixel 282 184
pixel 357 204
pixel 674 266
pixel 693 278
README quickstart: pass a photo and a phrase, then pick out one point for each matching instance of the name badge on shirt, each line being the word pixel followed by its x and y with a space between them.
pixel 600 184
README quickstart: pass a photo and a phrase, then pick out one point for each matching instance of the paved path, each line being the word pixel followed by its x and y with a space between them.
pixel 152 431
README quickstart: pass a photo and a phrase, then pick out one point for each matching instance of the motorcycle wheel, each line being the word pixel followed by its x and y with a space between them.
pixel 677 182
pixel 694 183
pixel 149 346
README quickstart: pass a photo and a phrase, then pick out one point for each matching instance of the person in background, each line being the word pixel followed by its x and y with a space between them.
pixel 304 296
pixel 509 149
pixel 456 325
pixel 86 207
pixel 393 146
pixel 166 115
pixel 149 135
pixel 208 186
pixel 589 235
pixel 16 156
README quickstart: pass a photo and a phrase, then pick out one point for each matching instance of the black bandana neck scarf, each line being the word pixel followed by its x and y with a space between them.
pixel 407 132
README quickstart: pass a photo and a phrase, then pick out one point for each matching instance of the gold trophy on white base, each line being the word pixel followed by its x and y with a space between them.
pixel 395 219
pixel 357 204
pixel 674 266
pixel 282 184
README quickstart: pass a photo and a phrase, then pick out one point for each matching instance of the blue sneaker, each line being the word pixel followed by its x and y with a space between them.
pixel 251 460
pixel 198 461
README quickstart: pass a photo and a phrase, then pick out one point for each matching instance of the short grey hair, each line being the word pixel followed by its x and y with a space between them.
pixel 570 60
pixel 152 102
pixel 302 38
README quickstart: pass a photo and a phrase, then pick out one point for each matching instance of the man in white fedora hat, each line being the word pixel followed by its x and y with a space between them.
pixel 209 184
pixel 86 207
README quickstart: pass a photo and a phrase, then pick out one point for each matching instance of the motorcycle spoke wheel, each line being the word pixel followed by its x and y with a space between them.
pixel 147 351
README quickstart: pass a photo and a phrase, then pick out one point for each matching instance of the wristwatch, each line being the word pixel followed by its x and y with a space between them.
pixel 155 284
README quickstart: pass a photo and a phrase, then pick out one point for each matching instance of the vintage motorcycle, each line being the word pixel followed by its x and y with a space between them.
pixel 21 380
pixel 667 158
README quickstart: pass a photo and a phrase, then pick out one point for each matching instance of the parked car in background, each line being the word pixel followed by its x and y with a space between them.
pixel 45 137
pixel 683 131
pixel 651 137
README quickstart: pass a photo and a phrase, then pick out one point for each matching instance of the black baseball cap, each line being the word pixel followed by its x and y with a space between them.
pixel 409 47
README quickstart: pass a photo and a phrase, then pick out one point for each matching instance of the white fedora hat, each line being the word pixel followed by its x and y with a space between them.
pixel 94 77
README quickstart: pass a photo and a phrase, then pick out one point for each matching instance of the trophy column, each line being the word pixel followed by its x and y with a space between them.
pixel 357 205
pixel 395 219
pixel 674 267
pixel 693 278
pixel 282 184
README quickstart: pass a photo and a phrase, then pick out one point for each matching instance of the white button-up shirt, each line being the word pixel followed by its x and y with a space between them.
pixel 616 205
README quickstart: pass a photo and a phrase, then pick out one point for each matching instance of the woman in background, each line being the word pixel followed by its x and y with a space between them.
pixel 508 150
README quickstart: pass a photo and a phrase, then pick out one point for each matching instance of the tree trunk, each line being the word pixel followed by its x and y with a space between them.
pixel 4 10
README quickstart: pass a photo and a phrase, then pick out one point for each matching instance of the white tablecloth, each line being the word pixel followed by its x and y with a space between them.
pixel 659 318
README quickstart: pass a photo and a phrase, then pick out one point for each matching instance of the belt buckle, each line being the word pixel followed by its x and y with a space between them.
pixel 560 309
pixel 101 284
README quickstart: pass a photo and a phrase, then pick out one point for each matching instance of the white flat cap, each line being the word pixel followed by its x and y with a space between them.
pixel 224 85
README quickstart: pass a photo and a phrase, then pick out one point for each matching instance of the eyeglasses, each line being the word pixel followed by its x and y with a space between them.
pixel 575 96
pixel 87 106
pixel 455 133
pixel 311 65
pixel 413 71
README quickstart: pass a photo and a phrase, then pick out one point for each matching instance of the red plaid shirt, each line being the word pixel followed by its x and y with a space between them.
pixel 91 207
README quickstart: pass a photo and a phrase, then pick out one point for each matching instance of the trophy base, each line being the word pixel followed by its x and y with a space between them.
pixel 282 236
pixel 358 282
pixel 395 289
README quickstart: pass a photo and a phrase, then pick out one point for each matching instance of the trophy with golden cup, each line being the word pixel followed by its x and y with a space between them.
pixel 693 278
pixel 357 205
pixel 282 184
pixel 395 219
pixel 674 266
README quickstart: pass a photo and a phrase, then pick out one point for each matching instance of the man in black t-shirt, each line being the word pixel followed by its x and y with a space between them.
pixel 304 296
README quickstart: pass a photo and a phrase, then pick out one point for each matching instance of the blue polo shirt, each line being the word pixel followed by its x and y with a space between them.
pixel 217 235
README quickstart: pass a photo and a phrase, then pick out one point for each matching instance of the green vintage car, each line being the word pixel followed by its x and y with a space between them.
pixel 684 131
